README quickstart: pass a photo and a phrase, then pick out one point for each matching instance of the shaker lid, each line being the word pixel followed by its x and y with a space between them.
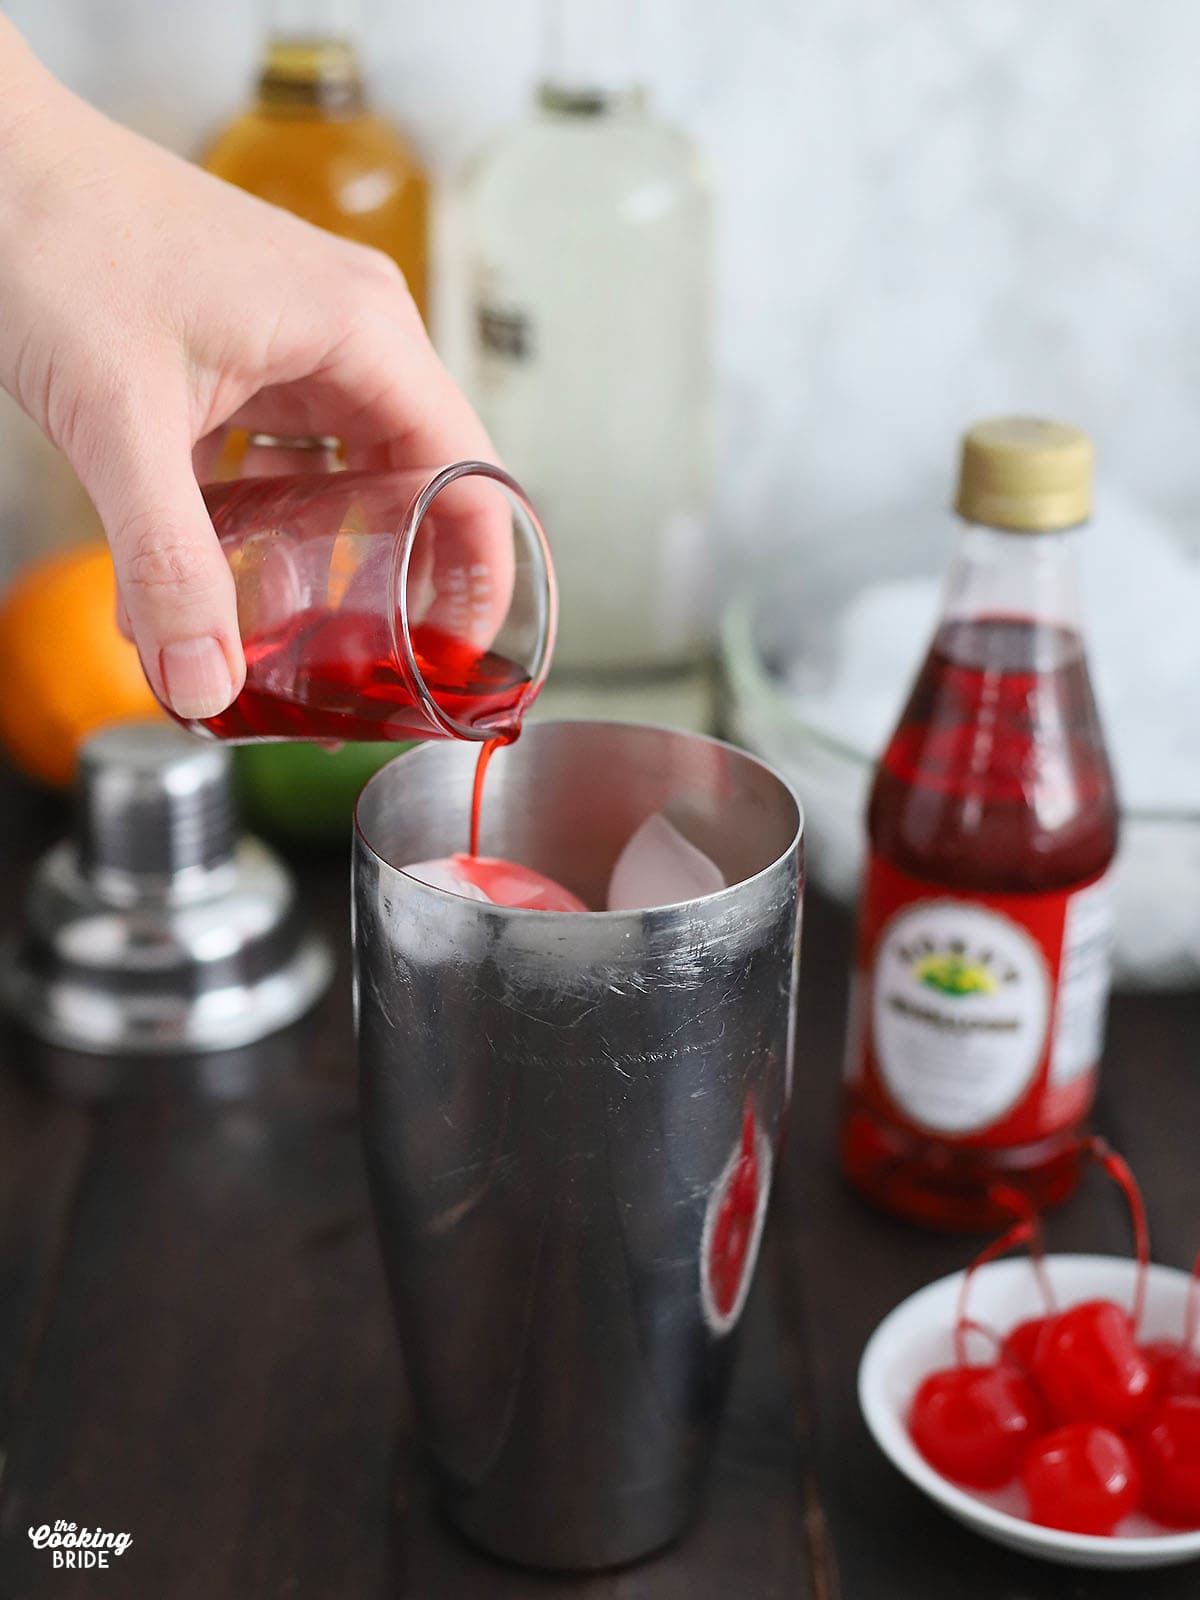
pixel 153 802
pixel 1026 474
pixel 155 930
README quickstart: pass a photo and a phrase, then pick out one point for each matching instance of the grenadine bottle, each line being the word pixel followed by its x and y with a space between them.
pixel 982 967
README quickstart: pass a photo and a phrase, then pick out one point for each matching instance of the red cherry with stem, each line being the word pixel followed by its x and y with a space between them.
pixel 974 1423
pixel 1086 1361
pixel 1082 1478
pixel 1168 1449
pixel 1089 1368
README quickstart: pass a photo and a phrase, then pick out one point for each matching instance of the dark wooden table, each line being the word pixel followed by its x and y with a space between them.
pixel 195 1345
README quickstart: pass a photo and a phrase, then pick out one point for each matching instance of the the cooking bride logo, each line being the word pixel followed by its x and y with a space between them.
pixel 69 1545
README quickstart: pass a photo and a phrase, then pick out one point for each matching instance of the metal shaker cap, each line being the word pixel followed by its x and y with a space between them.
pixel 154 803
pixel 154 929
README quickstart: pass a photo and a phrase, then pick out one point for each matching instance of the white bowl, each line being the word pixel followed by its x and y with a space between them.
pixel 917 1337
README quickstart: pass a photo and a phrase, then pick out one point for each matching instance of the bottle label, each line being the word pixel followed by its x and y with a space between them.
pixel 505 334
pixel 979 1016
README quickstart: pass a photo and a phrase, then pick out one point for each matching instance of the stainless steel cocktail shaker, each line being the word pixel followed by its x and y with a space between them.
pixel 571 1123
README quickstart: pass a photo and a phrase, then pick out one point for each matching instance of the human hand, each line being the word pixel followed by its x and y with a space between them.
pixel 145 304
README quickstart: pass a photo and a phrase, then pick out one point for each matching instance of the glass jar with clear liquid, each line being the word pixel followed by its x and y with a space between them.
pixel 588 240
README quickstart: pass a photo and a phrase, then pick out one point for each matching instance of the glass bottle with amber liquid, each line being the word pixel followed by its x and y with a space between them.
pixel 311 144
pixel 982 969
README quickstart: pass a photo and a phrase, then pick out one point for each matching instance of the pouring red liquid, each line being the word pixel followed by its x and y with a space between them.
pixel 368 614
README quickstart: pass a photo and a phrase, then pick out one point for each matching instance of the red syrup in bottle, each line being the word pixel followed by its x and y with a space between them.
pixel 982 962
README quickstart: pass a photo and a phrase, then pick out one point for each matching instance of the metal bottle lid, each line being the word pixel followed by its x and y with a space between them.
pixel 154 929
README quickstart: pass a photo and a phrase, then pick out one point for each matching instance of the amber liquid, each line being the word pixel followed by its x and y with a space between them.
pixel 996 780
pixel 311 146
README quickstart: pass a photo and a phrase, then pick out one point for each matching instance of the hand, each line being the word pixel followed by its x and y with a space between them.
pixel 145 304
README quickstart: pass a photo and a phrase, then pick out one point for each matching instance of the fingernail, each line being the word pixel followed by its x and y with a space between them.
pixel 196 677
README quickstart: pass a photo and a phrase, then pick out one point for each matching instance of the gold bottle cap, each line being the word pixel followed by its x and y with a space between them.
pixel 306 74
pixel 1025 474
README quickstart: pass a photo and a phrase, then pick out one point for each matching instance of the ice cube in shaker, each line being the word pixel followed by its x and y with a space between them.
pixel 659 867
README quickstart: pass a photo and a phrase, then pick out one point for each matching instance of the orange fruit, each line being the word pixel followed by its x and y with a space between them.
pixel 65 670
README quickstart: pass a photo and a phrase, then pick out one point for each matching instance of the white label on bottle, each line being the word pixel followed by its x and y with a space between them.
pixel 959 1009
pixel 505 333
pixel 1083 981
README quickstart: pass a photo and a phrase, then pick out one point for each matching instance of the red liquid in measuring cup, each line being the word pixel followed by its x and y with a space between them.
pixel 334 677
pixel 995 792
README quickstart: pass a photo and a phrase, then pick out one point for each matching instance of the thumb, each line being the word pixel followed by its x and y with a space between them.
pixel 176 588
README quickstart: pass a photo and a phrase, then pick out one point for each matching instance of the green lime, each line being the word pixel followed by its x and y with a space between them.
pixel 304 792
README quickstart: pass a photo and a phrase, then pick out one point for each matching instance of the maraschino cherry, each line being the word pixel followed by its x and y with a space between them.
pixel 1086 1360
pixel 1127 1415
pixel 1168 1445
pixel 974 1422
pixel 1081 1478
pixel 1088 1365
pixel 1168 1448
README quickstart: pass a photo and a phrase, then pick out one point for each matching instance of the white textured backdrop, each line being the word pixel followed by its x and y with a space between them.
pixel 931 210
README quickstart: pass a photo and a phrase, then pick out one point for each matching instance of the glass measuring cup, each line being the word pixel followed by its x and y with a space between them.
pixel 385 605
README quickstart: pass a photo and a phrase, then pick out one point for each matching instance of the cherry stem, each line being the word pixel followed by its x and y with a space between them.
pixel 968 1325
pixel 1118 1170
pixel 1020 1233
pixel 1022 1206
